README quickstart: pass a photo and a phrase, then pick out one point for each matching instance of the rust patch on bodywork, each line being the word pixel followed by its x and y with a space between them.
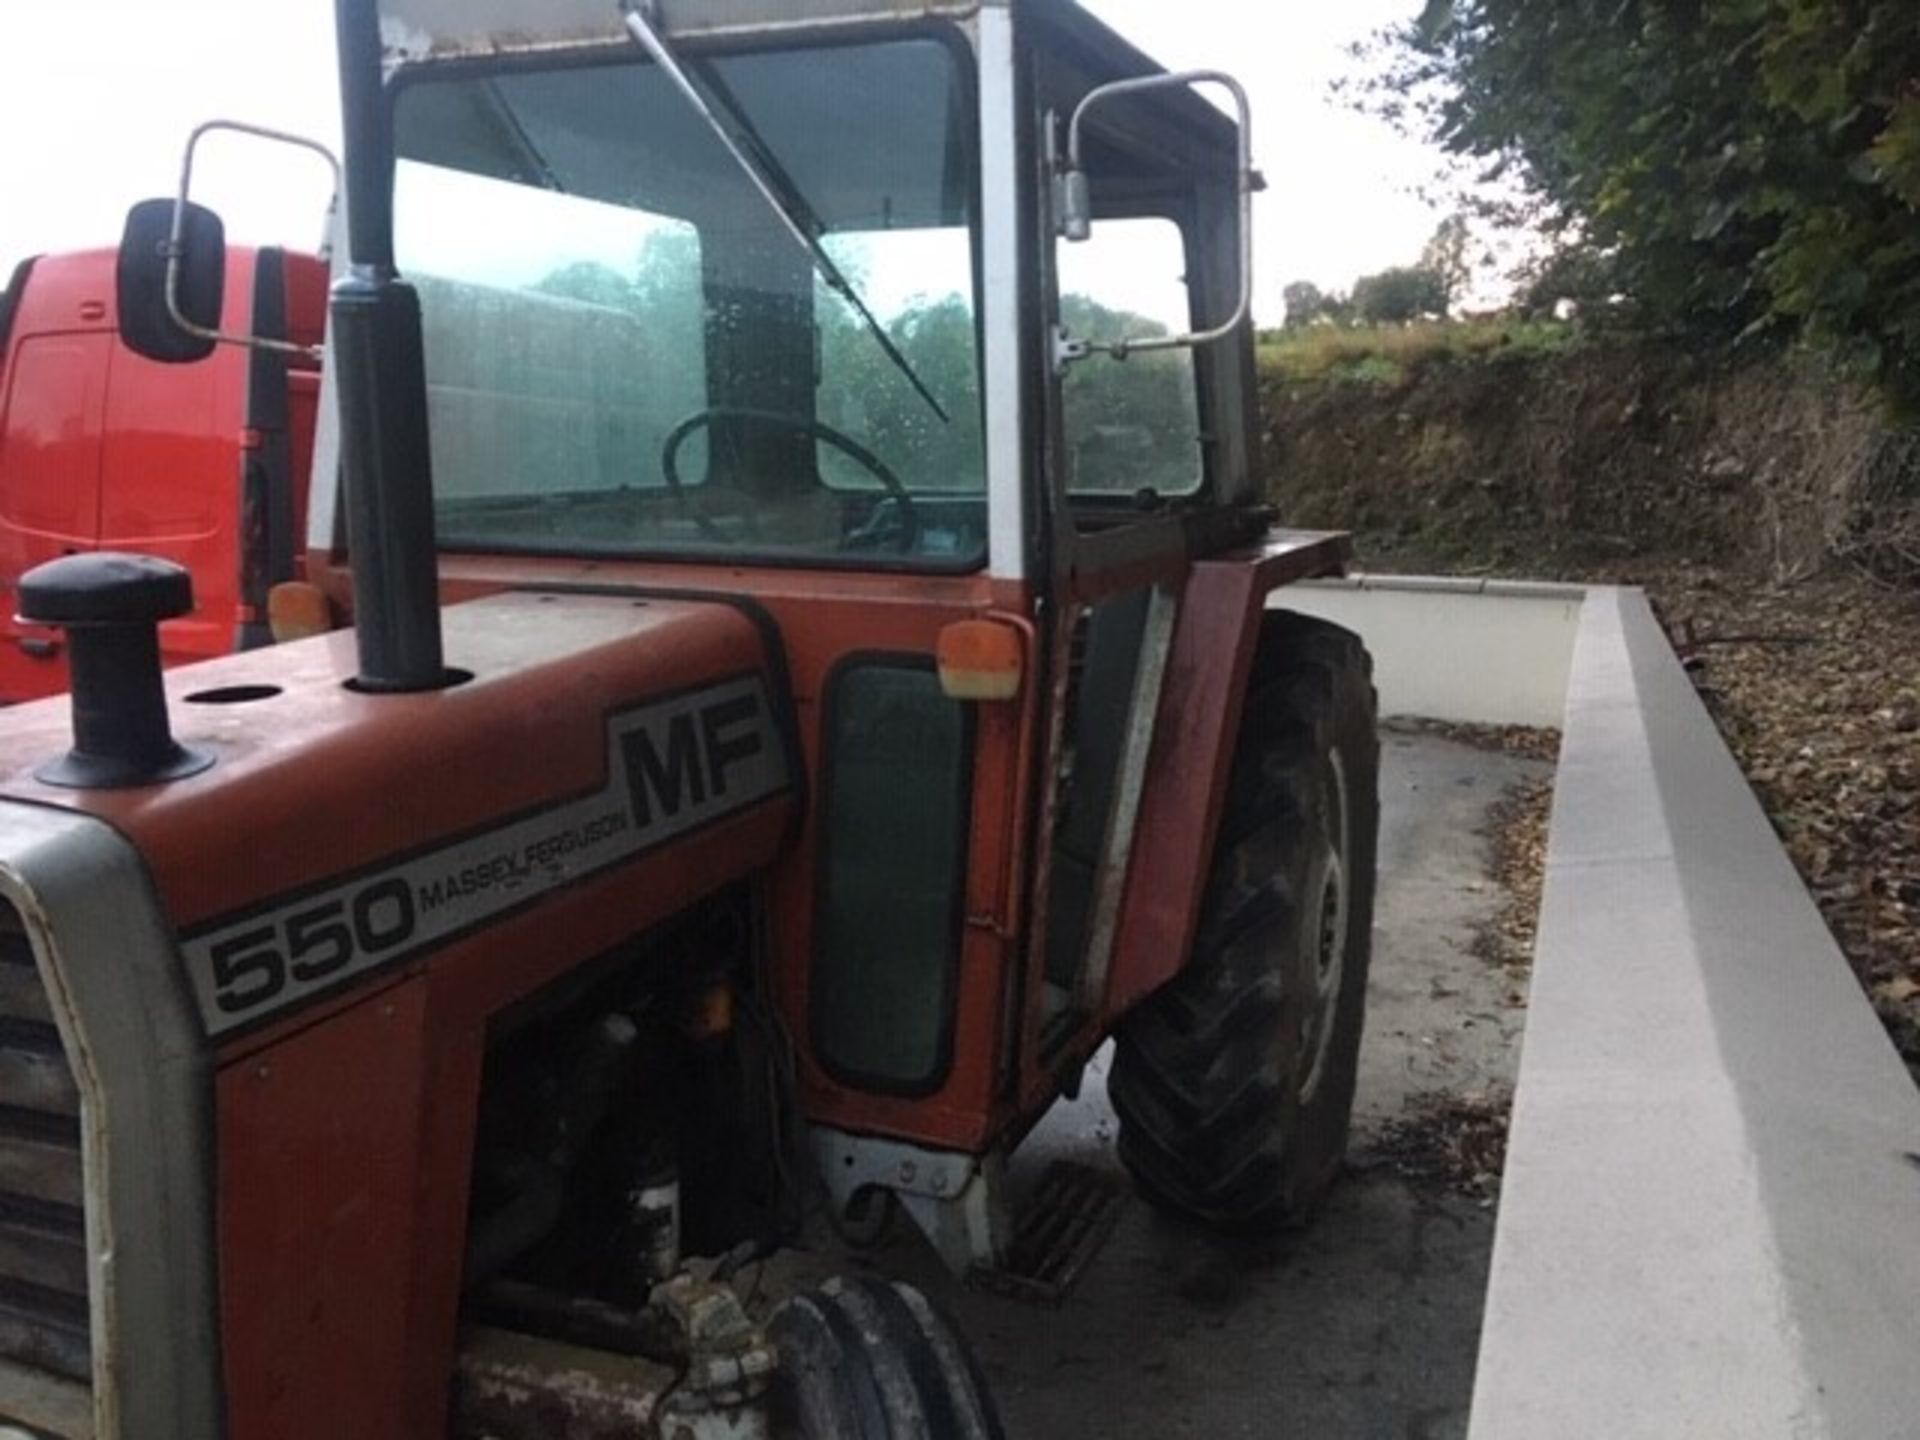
pixel 509 1386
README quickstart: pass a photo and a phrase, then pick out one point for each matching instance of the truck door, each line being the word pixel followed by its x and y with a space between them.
pixel 102 449
pixel 52 405
pixel 50 448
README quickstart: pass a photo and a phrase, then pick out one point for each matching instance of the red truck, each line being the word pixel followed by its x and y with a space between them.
pixel 206 463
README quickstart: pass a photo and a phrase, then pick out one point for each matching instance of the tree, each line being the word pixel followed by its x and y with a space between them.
pixel 1306 302
pixel 1400 295
pixel 1746 166
pixel 1130 424
pixel 1445 255
pixel 864 395
pixel 590 282
pixel 1575 276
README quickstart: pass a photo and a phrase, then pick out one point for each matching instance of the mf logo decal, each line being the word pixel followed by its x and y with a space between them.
pixel 672 767
pixel 704 751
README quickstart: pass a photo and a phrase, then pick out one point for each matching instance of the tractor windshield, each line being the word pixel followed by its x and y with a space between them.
pixel 627 353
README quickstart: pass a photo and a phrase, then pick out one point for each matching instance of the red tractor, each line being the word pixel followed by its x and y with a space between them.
pixel 811 684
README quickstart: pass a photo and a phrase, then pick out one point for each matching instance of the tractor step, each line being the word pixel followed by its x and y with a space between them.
pixel 1058 1231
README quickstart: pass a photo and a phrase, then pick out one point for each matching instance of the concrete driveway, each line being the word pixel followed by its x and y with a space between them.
pixel 1366 1324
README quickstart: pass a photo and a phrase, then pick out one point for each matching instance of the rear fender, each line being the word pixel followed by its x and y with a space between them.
pixel 1192 754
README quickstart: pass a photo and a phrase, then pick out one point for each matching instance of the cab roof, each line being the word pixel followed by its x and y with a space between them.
pixel 429 29
pixel 425 31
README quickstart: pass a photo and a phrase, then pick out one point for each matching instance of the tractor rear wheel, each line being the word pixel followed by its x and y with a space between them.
pixel 869 1360
pixel 1234 1082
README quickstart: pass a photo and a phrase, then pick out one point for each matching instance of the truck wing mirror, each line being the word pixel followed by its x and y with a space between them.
pixel 168 243
pixel 1073 210
pixel 173 266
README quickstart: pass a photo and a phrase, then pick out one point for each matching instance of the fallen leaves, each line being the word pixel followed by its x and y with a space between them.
pixel 1457 1143
pixel 1897 991
pixel 1817 690
pixel 1517 830
pixel 1522 740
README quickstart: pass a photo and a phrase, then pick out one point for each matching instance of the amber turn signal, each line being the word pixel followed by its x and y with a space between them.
pixel 981 660
pixel 297 610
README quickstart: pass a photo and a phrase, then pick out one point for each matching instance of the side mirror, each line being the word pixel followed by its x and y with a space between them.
pixel 173 264
pixel 1073 209
pixel 193 266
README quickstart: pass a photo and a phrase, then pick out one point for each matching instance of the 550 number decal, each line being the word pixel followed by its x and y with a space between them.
pixel 672 766
pixel 252 967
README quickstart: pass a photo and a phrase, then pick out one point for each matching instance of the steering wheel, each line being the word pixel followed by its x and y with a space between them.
pixel 846 445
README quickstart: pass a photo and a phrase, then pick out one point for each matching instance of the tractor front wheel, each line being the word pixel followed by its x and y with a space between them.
pixel 1234 1082
pixel 869 1360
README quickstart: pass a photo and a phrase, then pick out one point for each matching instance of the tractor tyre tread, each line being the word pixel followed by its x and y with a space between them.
pixel 865 1359
pixel 1203 1080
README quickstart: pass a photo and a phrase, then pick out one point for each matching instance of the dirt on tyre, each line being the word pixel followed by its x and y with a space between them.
pixel 867 1359
pixel 1234 1082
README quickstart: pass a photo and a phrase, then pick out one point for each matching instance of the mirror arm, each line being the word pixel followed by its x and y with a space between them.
pixel 1074 202
pixel 176 240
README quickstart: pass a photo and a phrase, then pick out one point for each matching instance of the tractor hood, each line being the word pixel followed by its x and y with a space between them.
pixel 416 30
pixel 610 759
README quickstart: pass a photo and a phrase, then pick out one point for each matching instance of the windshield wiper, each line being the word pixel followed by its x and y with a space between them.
pixel 750 152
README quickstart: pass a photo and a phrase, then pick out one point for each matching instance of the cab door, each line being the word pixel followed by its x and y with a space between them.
pixel 1136 483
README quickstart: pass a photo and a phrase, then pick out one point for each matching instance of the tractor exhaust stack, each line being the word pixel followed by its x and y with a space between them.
pixel 386 466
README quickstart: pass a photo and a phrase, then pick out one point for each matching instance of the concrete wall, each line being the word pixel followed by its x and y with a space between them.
pixel 1710 1219
pixel 1489 652
pixel 1710 1222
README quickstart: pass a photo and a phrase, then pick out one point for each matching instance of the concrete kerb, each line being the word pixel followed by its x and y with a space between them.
pixel 1710 1219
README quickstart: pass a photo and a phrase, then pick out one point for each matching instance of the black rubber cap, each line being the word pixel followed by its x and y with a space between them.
pixel 111 606
pixel 106 588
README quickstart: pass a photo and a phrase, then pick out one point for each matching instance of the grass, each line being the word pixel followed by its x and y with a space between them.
pixel 1391 354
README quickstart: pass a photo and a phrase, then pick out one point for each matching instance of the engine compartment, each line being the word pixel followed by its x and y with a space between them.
pixel 635 1147
pixel 633 1113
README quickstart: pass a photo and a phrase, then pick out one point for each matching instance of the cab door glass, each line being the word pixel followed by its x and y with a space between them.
pixel 1132 426
pixel 919 284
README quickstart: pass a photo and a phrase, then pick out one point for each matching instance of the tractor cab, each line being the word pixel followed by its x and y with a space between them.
pixel 798 293
pixel 923 329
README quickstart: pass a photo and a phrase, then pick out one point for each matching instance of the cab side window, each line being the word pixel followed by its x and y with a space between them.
pixel 1132 426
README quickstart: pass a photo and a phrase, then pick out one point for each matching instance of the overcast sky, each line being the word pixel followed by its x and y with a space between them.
pixel 97 100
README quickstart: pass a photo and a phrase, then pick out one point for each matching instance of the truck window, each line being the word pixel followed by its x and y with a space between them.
pixel 628 353
pixel 10 304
